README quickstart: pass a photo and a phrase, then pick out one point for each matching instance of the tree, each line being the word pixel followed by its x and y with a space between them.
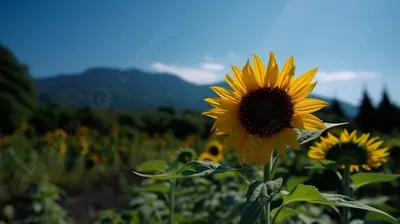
pixel 366 118
pixel 387 114
pixel 336 108
pixel 18 95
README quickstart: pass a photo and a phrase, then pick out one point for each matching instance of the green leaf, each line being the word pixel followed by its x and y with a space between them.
pixel 284 214
pixel 258 195
pixel 361 179
pixel 310 194
pixel 152 166
pixel 192 169
pixel 304 136
pixel 292 182
pixel 372 216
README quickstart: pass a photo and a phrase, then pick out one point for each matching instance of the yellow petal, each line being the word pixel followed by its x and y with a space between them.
pixel 272 71
pixel 224 93
pixel 248 77
pixel 236 86
pixel 308 106
pixel 238 75
pixel 259 70
pixel 288 66
pixel 213 101
pixel 291 139
pixel 303 93
pixel 307 122
pixel 286 76
pixel 302 81
pixel 214 113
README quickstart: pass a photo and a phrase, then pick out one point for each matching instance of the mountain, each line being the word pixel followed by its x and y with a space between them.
pixel 109 88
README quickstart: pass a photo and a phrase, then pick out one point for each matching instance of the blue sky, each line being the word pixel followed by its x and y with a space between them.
pixel 353 43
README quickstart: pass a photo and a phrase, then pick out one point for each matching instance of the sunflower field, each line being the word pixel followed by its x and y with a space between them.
pixel 265 153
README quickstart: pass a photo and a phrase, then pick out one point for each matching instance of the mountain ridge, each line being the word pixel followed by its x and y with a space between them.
pixel 131 89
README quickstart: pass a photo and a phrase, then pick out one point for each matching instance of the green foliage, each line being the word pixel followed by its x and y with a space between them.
pixel 258 195
pixel 304 136
pixel 152 166
pixel 310 194
pixel 362 179
pixel 192 169
pixel 18 95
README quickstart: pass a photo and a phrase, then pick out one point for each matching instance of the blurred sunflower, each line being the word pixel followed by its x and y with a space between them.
pixel 265 105
pixel 123 150
pixel 49 136
pixel 208 157
pixel 61 134
pixel 23 127
pixel 189 141
pixel 83 130
pixel 84 146
pixel 62 148
pixel 92 162
pixel 185 155
pixel 215 148
pixel 359 152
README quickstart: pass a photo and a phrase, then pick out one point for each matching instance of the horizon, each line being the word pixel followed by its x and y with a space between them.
pixel 354 49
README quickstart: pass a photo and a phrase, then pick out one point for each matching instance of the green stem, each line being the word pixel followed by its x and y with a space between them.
pixel 268 176
pixel 172 202
pixel 346 192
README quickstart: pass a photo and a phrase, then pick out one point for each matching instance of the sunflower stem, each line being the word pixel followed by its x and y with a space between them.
pixel 268 176
pixel 346 191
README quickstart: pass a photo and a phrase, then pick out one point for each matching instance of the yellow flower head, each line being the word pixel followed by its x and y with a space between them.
pixel 263 107
pixel 185 155
pixel 23 126
pixel 363 152
pixel 83 145
pixel 63 148
pixel 190 141
pixel 83 130
pixel 208 157
pixel 215 148
pixel 49 136
pixel 61 134
pixel 92 162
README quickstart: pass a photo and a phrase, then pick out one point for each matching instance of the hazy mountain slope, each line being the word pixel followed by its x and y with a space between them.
pixel 129 90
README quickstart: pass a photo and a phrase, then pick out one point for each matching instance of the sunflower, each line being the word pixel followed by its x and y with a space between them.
pixel 263 107
pixel 362 152
pixel 61 134
pixel 209 157
pixel 62 148
pixel 185 155
pixel 92 162
pixel 83 145
pixel 215 148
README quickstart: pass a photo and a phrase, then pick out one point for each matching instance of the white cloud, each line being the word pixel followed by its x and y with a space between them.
pixel 344 76
pixel 190 74
pixel 211 66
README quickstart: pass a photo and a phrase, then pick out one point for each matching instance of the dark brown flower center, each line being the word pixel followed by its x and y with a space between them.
pixel 266 111
pixel 213 150
pixel 347 152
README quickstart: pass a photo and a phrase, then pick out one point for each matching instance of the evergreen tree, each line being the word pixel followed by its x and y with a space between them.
pixel 336 108
pixel 366 118
pixel 17 95
pixel 387 114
